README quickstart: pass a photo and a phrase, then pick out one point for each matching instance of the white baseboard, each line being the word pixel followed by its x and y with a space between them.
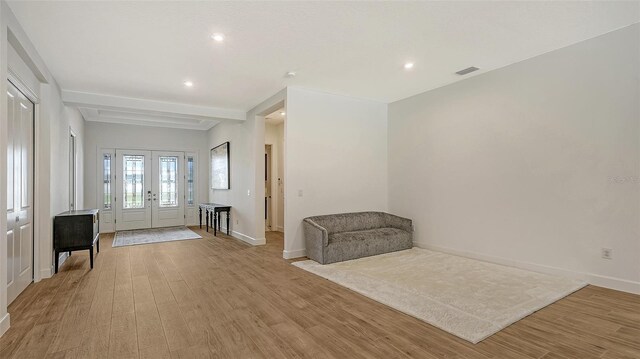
pixel 595 279
pixel 4 324
pixel 296 253
pixel 243 237
pixel 280 229
pixel 46 273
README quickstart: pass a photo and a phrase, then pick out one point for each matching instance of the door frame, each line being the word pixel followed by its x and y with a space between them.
pixel 156 185
pixel 15 80
pixel 73 170
pixel 147 183
pixel 190 210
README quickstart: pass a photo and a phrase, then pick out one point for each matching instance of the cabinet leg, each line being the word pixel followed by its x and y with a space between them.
pixel 215 223
pixel 56 259
pixel 206 214
pixel 200 216
pixel 98 243
pixel 211 221
pixel 91 257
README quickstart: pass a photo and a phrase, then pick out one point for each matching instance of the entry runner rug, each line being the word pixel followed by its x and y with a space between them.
pixel 153 235
pixel 468 298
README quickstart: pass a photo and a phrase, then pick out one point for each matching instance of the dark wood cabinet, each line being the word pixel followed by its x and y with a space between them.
pixel 76 230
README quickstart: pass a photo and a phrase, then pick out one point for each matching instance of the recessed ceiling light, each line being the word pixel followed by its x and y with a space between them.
pixel 291 74
pixel 282 113
pixel 218 37
pixel 188 84
pixel 408 66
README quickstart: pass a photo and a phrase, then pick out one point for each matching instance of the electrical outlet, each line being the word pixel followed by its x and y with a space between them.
pixel 300 193
pixel 248 192
pixel 607 253
pixel 237 221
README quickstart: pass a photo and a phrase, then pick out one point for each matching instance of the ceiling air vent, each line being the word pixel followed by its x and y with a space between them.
pixel 467 70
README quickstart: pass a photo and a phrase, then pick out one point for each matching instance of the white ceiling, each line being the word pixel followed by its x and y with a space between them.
pixel 146 50
pixel 276 117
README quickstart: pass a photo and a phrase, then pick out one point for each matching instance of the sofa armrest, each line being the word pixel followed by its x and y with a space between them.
pixel 316 239
pixel 398 222
pixel 316 231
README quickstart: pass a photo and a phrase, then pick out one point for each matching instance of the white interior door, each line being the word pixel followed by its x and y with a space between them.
pixel 133 189
pixel 20 115
pixel 168 182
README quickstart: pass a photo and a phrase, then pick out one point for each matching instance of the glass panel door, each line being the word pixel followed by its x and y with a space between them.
pixel 168 189
pixel 133 189
pixel 150 188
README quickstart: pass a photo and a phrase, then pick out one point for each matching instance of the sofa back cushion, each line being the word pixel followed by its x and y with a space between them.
pixel 349 222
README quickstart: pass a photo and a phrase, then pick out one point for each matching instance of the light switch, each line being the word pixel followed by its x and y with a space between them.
pixel 249 192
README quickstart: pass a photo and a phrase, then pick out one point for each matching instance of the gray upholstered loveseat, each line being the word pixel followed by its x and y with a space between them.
pixel 340 237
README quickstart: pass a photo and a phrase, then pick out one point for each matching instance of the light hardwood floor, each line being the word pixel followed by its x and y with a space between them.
pixel 218 297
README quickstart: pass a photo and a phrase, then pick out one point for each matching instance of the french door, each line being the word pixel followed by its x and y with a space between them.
pixel 149 189
pixel 167 189
pixel 20 115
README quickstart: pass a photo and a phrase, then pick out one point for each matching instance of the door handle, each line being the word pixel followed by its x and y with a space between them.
pixel 17 219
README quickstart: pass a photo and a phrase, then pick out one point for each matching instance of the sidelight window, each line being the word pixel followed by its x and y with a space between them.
pixel 106 174
pixel 190 181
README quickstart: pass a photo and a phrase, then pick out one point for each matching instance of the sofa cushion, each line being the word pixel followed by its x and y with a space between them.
pixel 378 233
pixel 357 244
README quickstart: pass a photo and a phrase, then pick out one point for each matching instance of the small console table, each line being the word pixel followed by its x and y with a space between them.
pixel 212 213
pixel 75 231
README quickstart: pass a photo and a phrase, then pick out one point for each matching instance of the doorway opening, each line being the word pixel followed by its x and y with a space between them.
pixel 274 176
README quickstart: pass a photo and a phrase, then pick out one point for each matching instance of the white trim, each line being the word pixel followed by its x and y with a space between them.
pixel 46 273
pixel 4 324
pixel 245 238
pixel 93 100
pixel 280 229
pixel 37 195
pixel 595 279
pixel 296 253
pixel 13 77
pixel 136 111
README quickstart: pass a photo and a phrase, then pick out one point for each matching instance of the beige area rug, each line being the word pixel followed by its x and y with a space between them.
pixel 468 298
pixel 153 235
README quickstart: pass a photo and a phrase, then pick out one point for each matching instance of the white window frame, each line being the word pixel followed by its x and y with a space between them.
pixel 107 216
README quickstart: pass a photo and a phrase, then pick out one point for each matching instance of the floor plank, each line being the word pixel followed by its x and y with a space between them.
pixel 218 297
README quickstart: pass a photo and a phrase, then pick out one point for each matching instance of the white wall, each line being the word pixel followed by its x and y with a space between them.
pixel 535 165
pixel 239 138
pixel 101 135
pixel 335 155
pixel 53 121
pixel 246 195
pixel 274 136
